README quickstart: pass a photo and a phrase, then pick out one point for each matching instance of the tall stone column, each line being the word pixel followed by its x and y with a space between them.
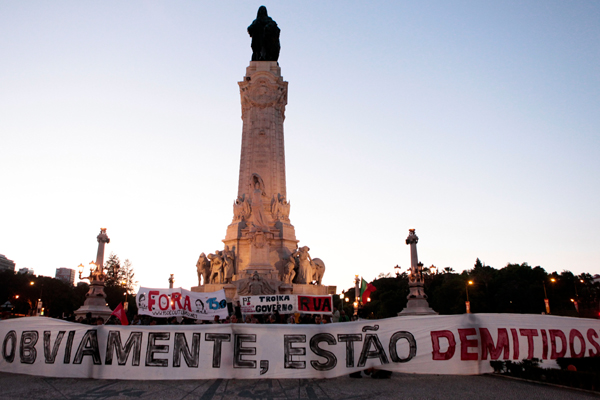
pixel 412 241
pixel 261 233
pixel 260 242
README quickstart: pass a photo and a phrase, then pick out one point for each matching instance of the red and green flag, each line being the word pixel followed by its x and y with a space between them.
pixel 365 290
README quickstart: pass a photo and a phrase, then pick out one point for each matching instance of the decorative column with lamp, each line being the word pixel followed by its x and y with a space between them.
pixel 125 284
pixel 95 298
pixel 468 303
pixel 546 301
pixel 356 294
pixel 417 299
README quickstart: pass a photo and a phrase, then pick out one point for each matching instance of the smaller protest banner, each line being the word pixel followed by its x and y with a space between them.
pixel 179 302
pixel 315 304
pixel 268 304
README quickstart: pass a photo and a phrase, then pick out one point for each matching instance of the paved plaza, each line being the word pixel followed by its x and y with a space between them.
pixel 400 386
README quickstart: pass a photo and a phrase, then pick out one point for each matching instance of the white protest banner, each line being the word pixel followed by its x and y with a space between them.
pixel 179 302
pixel 448 344
pixel 268 304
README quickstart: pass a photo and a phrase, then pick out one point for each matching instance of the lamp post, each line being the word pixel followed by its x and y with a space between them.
pixel 576 300
pixel 125 283
pixel 356 294
pixel 546 301
pixel 39 305
pixel 468 303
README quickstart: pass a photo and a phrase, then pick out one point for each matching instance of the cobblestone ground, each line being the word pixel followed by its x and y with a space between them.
pixel 400 386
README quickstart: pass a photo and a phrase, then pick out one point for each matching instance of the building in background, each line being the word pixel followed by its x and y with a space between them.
pixel 27 271
pixel 6 264
pixel 66 275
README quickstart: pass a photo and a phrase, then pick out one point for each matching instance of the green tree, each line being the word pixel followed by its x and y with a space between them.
pixel 113 270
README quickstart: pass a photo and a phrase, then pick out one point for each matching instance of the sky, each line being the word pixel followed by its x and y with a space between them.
pixel 475 122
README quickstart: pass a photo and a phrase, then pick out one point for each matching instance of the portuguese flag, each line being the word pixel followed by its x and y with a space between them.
pixel 365 290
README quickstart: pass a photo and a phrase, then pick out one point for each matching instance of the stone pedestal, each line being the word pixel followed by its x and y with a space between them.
pixel 95 302
pixel 417 307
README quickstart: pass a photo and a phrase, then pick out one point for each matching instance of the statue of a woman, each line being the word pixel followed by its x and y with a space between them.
pixel 304 265
pixel 258 213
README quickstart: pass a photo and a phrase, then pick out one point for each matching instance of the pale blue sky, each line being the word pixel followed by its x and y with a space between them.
pixel 475 122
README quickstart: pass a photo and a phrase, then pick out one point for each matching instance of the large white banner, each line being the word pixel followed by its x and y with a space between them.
pixel 454 344
pixel 179 302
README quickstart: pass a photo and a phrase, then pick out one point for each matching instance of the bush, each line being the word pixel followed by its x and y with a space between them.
pixel 529 369
pixel 590 364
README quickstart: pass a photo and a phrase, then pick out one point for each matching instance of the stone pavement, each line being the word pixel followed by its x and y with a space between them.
pixel 400 386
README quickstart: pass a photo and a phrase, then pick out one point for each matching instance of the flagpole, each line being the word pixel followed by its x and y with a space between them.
pixel 357 298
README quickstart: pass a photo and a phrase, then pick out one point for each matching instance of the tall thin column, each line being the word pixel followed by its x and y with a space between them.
pixel 102 240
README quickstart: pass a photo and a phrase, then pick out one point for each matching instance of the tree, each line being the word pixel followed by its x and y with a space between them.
pixel 127 276
pixel 113 270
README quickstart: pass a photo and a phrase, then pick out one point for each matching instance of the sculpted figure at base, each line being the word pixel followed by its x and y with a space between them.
pixel 216 267
pixel 203 268
pixel 305 272
pixel 280 208
pixel 288 271
pixel 255 286
pixel 241 209
pixel 318 270
pixel 228 264
pixel 265 37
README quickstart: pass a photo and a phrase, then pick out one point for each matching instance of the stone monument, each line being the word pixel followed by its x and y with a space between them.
pixel 417 299
pixel 261 253
pixel 95 298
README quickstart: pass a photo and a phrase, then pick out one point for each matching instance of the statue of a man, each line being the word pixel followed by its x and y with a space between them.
pixel 203 269
pixel 288 271
pixel 228 264
pixel 216 267
pixel 265 37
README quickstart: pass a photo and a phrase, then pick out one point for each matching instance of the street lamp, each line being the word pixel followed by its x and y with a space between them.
pixel 38 306
pixel 546 301
pixel 468 303
pixel 576 300
pixel 575 304
pixel 126 305
pixel 356 294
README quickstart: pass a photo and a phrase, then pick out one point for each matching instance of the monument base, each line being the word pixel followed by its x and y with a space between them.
pixel 97 311
pixel 231 290
pixel 417 307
